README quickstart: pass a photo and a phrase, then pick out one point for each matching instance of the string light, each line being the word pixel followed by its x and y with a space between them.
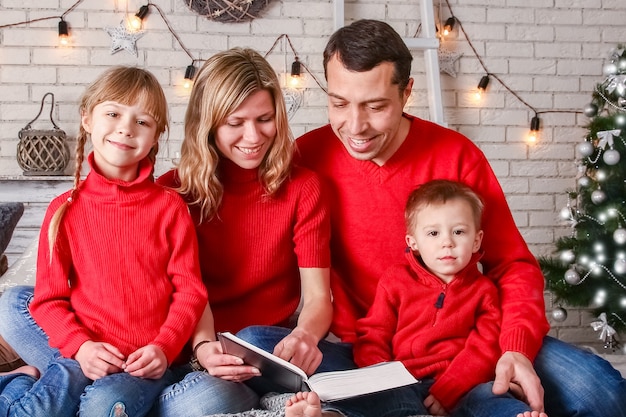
pixel 190 71
pixel 534 129
pixel 482 86
pixel 136 21
pixel 534 136
pixel 449 25
pixel 295 78
pixel 64 34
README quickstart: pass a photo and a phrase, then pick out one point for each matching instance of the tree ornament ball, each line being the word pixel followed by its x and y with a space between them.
pixel 621 64
pixel 568 256
pixel 584 181
pixel 620 120
pixel 598 197
pixel 572 277
pixel 611 157
pixel 620 266
pixel 619 236
pixel 559 314
pixel 590 110
pixel 610 69
pixel 584 149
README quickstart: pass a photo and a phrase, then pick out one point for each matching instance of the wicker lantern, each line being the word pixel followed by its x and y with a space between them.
pixel 42 152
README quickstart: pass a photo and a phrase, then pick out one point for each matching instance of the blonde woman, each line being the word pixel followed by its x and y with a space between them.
pixel 262 226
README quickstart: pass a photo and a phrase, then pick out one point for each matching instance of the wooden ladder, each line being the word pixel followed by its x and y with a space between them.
pixel 429 44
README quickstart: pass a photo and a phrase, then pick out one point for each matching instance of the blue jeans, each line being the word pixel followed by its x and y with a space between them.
pixel 182 392
pixel 577 383
pixel 57 393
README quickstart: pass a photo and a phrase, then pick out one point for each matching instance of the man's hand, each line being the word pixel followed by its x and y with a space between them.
pixel 516 373
pixel 147 362
pixel 221 365
pixel 97 359
pixel 300 348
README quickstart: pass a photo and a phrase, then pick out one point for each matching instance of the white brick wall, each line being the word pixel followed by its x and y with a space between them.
pixel 550 52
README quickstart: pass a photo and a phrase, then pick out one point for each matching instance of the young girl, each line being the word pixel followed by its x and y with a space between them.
pixel 118 289
pixel 262 225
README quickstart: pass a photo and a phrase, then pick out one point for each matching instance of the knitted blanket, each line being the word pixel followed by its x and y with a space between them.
pixel 272 405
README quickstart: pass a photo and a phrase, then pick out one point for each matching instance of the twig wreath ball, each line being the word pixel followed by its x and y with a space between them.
pixel 228 10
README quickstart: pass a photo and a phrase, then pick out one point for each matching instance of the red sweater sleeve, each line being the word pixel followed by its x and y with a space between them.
pixel 376 330
pixel 189 295
pixel 51 306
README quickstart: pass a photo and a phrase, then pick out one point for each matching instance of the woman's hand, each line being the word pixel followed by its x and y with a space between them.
pixel 221 365
pixel 300 348
pixel 147 362
pixel 98 359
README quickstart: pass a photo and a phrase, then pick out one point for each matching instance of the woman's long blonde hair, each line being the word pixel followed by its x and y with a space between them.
pixel 124 85
pixel 221 86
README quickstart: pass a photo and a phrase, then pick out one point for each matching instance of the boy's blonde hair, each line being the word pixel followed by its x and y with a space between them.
pixel 124 85
pixel 221 86
pixel 439 192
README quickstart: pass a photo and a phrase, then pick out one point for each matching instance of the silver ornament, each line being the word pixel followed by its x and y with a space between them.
pixel 584 181
pixel 611 157
pixel 621 64
pixel 559 314
pixel 598 197
pixel 619 236
pixel 609 69
pixel 568 256
pixel 590 110
pixel 572 277
pixel 584 149
pixel 620 120
pixel 620 266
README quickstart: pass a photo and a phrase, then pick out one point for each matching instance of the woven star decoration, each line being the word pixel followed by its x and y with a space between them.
pixel 447 60
pixel 123 39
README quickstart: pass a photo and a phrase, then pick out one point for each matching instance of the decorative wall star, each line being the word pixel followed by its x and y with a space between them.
pixel 123 39
pixel 447 60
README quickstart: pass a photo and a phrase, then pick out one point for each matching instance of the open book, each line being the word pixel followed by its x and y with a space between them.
pixel 330 386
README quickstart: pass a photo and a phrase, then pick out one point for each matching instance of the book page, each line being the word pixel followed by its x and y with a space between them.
pixel 339 385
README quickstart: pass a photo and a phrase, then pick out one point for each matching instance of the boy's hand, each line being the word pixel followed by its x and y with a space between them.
pixel 147 362
pixel 434 407
pixel 98 359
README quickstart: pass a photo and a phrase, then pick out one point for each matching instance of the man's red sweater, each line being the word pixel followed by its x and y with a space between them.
pixel 125 268
pixel 367 212
pixel 448 332
pixel 251 251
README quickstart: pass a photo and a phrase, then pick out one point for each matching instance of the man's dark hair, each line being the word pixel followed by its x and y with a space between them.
pixel 365 44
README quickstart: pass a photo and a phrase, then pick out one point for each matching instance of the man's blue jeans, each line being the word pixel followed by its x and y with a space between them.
pixel 180 393
pixel 577 383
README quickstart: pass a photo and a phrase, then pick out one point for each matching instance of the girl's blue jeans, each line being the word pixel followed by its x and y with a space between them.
pixel 180 392
pixel 577 383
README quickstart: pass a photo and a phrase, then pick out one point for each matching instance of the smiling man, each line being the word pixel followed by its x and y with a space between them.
pixel 370 157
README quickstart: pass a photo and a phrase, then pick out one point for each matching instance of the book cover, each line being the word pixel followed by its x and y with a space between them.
pixel 330 386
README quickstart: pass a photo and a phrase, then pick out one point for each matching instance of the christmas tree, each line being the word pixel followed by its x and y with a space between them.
pixel 588 268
